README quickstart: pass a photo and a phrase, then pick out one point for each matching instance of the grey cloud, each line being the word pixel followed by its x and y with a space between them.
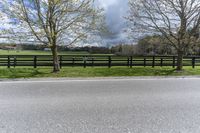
pixel 116 10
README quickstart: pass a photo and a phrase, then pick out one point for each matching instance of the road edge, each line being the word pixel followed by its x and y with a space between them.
pixel 102 78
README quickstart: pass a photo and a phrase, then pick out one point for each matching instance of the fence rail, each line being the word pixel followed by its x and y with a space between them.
pixel 89 60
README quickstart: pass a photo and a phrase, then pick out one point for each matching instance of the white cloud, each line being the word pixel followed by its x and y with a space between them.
pixel 106 3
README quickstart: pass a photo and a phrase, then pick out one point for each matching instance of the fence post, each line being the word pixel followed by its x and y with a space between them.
pixel 15 61
pixel 145 62
pixel 193 62
pixel 128 61
pixel 73 61
pixel 153 61
pixel 8 61
pixel 131 62
pixel 84 58
pixel 161 62
pixel 92 61
pixel 35 61
pixel 174 61
pixel 109 61
pixel 60 61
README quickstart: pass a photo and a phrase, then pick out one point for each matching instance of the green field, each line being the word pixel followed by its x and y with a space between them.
pixel 95 72
pixel 35 52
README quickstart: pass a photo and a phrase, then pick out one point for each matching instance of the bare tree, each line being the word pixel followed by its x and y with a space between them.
pixel 177 20
pixel 53 22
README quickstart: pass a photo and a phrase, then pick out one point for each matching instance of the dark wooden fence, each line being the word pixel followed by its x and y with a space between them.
pixel 83 60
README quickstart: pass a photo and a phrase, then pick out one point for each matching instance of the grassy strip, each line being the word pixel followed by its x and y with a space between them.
pixel 95 72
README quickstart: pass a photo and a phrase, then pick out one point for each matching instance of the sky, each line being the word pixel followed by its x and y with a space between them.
pixel 115 11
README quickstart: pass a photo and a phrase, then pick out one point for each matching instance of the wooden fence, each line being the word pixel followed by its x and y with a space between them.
pixel 90 60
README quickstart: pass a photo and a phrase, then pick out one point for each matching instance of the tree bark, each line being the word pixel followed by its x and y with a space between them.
pixel 56 63
pixel 180 60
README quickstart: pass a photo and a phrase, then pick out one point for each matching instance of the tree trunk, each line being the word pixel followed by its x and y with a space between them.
pixel 180 61
pixel 56 63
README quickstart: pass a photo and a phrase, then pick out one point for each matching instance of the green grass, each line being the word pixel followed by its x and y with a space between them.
pixel 95 72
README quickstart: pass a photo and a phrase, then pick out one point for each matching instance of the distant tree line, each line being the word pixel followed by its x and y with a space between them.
pixel 154 45
pixel 149 45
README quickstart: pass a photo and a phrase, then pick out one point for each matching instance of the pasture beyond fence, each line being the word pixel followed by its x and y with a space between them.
pixel 92 61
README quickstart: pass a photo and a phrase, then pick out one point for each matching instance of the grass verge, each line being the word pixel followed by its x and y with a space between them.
pixel 95 72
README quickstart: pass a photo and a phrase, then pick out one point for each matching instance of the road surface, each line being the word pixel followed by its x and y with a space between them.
pixel 167 105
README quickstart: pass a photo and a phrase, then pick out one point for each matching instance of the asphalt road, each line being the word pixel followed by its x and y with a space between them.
pixel 165 105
